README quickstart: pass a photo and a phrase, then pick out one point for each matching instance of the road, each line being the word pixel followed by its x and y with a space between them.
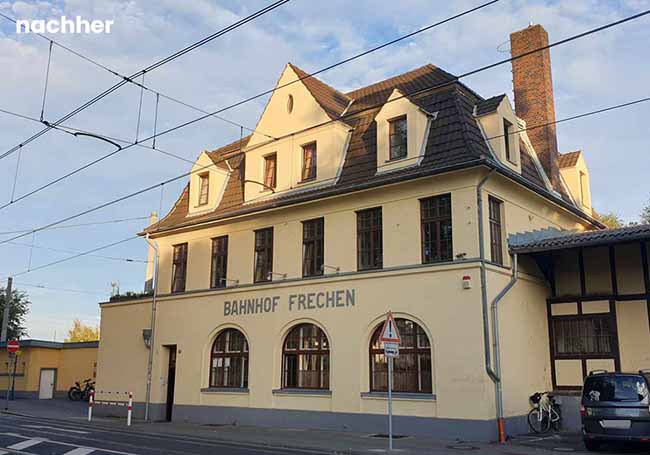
pixel 37 436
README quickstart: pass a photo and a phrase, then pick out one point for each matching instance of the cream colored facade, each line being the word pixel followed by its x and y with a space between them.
pixel 71 362
pixel 444 298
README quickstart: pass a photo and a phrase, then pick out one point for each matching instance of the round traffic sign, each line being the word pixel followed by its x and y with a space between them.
pixel 13 346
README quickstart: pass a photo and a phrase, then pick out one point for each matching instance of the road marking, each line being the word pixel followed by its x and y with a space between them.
pixel 45 427
pixel 80 451
pixel 25 444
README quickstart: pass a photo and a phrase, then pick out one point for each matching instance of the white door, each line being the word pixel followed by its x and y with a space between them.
pixel 46 389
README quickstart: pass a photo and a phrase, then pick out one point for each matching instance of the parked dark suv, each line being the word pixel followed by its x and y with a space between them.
pixel 615 407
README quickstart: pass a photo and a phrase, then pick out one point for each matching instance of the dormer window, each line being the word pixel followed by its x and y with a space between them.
pixel 270 170
pixel 204 188
pixel 398 138
pixel 309 161
pixel 507 130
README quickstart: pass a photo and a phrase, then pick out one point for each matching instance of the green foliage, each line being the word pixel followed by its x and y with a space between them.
pixel 645 214
pixel 610 219
pixel 17 312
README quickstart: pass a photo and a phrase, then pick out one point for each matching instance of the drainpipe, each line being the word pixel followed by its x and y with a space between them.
pixel 152 343
pixel 497 351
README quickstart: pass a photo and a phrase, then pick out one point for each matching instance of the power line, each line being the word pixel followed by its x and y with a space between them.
pixel 67 226
pixel 50 288
pixel 173 179
pixel 374 49
pixel 71 130
pixel 59 250
pixel 128 79
pixel 69 258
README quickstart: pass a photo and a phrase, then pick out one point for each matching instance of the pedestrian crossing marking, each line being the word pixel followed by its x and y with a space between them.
pixel 25 444
pixel 80 451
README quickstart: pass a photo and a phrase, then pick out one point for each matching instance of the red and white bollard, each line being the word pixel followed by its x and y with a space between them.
pixel 129 410
pixel 91 400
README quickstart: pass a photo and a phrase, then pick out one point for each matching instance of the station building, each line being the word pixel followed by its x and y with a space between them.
pixel 283 254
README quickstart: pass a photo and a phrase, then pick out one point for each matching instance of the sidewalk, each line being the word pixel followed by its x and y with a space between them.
pixel 319 441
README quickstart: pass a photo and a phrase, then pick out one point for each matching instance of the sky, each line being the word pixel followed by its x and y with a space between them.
pixel 608 68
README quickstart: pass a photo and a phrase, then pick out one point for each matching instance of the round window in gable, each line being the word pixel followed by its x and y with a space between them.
pixel 290 104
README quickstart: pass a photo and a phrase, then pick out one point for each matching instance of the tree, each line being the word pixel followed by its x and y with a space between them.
pixel 82 332
pixel 610 219
pixel 645 214
pixel 17 312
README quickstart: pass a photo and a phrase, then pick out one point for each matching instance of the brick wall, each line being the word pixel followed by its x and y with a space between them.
pixel 533 87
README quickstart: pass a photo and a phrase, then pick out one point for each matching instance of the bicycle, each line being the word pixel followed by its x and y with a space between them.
pixel 545 414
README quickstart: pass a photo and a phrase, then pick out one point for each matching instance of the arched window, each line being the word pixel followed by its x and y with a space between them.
pixel 306 358
pixel 229 360
pixel 411 370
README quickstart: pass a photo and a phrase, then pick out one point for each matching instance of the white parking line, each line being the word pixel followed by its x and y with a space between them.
pixel 45 427
pixel 25 444
pixel 80 451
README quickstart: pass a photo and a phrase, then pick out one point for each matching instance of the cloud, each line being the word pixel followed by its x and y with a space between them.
pixel 590 73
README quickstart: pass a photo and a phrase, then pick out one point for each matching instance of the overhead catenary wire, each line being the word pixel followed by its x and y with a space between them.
pixel 208 114
pixel 57 289
pixel 69 226
pixel 152 187
pixel 452 81
pixel 69 258
pixel 71 130
pixel 128 79
pixel 68 251
pixel 47 78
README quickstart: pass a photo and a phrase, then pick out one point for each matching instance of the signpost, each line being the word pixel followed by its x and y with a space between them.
pixel 12 348
pixel 391 339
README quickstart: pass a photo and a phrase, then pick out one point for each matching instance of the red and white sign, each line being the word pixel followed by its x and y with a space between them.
pixel 389 333
pixel 13 346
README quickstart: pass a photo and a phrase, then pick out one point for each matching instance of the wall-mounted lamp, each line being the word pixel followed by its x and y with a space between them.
pixel 461 256
pixel 146 337
pixel 336 269
pixel 228 280
pixel 270 275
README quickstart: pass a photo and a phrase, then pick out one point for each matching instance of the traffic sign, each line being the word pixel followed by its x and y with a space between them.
pixel 13 346
pixel 391 349
pixel 389 333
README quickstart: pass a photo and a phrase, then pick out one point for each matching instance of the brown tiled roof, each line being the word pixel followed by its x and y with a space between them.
pixel 331 100
pixel 568 159
pixel 455 141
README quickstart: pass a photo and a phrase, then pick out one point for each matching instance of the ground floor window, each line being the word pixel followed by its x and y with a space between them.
pixel 585 335
pixel 411 370
pixel 229 360
pixel 306 359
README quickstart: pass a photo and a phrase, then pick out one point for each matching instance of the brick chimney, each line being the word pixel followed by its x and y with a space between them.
pixel 534 102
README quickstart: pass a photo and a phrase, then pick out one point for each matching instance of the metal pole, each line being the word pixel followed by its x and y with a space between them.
pixel 8 381
pixel 13 377
pixel 152 344
pixel 390 403
pixel 5 314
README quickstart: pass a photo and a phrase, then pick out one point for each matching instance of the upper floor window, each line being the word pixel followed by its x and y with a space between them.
pixel 204 188
pixel 312 247
pixel 229 360
pixel 397 138
pixel 435 213
pixel 179 267
pixel 496 231
pixel 370 252
pixel 507 133
pixel 263 255
pixel 306 358
pixel 309 161
pixel 270 170
pixel 219 262
pixel 411 370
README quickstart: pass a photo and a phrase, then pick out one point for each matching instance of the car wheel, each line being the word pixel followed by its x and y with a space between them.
pixel 592 445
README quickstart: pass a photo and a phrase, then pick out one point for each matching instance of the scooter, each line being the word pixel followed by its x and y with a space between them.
pixel 77 393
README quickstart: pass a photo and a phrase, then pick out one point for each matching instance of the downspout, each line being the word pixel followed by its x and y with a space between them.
pixel 497 351
pixel 153 328
pixel 494 374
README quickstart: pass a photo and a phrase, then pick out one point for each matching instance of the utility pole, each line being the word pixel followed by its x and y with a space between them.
pixel 5 314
